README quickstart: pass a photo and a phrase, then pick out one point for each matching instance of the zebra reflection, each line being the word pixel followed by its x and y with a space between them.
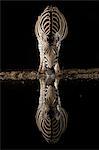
pixel 51 118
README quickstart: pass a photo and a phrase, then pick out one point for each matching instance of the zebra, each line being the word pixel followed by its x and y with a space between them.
pixel 51 118
pixel 50 29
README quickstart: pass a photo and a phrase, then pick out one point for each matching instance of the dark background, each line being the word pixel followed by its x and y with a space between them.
pixel 20 51
pixel 20 48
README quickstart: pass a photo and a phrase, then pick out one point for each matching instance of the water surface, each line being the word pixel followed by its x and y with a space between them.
pixel 19 106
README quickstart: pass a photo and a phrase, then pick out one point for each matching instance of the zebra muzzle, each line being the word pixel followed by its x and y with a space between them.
pixel 50 71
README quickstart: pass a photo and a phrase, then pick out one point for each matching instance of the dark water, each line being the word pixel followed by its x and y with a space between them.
pixel 19 105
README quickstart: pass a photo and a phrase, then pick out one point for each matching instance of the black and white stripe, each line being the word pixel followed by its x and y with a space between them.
pixel 50 29
pixel 52 21
pixel 52 127
pixel 51 118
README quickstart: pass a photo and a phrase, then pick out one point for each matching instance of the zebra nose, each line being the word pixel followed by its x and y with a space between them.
pixel 50 71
